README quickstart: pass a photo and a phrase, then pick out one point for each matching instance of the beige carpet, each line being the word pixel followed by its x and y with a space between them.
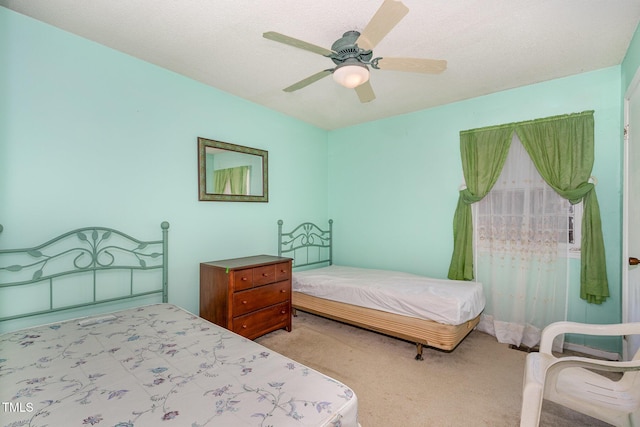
pixel 477 384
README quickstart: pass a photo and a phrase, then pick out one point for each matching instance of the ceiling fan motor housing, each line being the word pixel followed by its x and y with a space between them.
pixel 346 48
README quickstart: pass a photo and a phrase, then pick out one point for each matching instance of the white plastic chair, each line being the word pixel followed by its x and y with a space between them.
pixel 571 382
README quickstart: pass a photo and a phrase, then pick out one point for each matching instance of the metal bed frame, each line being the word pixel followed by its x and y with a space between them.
pixel 306 236
pixel 84 254
pixel 309 245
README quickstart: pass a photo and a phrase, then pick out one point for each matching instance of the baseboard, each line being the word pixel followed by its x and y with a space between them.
pixel 608 355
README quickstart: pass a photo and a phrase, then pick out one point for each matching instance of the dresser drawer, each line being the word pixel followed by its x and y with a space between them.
pixel 263 275
pixel 262 321
pixel 243 279
pixel 283 271
pixel 259 297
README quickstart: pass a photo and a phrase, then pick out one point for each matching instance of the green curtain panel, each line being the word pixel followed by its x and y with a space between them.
pixel 235 177
pixel 220 178
pixel 238 179
pixel 483 155
pixel 562 150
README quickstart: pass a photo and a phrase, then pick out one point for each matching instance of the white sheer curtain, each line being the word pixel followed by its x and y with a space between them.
pixel 521 230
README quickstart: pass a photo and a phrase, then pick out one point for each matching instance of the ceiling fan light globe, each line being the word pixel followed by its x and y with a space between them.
pixel 351 76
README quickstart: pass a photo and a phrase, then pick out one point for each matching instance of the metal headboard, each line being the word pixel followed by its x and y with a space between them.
pixel 307 244
pixel 84 254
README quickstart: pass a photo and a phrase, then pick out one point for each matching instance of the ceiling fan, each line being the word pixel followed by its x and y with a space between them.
pixel 353 54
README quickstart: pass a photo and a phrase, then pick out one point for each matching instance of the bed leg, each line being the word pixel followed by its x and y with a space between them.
pixel 419 355
pixel 295 312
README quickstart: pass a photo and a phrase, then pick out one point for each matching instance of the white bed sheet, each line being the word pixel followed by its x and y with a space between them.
pixel 159 365
pixel 451 302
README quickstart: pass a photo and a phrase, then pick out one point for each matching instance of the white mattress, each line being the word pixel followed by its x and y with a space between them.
pixel 159 365
pixel 451 302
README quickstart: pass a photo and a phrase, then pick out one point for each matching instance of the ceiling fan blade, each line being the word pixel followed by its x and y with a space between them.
pixel 281 38
pixel 413 65
pixel 365 92
pixel 306 82
pixel 390 13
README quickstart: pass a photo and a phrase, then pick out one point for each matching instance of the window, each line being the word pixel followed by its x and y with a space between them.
pixel 575 229
pixel 544 218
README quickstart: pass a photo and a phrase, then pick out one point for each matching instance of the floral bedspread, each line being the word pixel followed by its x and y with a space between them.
pixel 159 365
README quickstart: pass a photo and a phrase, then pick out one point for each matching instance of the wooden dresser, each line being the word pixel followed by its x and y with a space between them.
pixel 250 296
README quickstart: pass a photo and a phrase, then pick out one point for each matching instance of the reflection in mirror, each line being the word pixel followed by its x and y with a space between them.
pixel 234 173
pixel 229 172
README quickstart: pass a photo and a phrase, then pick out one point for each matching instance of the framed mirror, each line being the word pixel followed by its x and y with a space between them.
pixel 232 173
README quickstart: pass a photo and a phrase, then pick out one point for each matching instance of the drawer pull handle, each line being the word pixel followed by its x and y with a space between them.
pixel 265 274
pixel 244 302
pixel 244 279
pixel 244 326
pixel 283 311
pixel 284 291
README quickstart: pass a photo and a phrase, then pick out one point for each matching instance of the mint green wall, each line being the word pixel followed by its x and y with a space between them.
pixel 393 183
pixel 90 136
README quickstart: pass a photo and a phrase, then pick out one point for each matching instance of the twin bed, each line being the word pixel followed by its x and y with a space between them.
pixel 432 312
pixel 148 365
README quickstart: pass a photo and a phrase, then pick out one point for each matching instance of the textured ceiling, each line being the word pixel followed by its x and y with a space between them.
pixel 490 45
